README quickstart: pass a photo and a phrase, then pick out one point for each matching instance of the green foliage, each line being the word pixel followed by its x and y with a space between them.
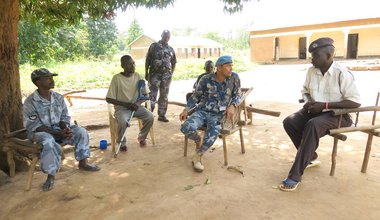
pixel 240 41
pixel 57 13
pixel 98 74
pixel 134 31
pixel 102 35
pixel 39 44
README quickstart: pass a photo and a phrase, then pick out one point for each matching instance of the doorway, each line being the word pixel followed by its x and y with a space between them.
pixel 302 48
pixel 352 46
pixel 276 49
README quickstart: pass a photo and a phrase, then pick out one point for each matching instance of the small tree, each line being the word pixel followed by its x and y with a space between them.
pixel 134 31
pixel 102 35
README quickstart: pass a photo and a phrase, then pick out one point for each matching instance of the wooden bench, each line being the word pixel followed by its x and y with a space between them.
pixel 372 130
pixel 69 96
pixel 17 141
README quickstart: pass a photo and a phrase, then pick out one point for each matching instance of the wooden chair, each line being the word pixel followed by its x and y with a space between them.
pixel 17 141
pixel 371 130
pixel 113 125
pixel 240 119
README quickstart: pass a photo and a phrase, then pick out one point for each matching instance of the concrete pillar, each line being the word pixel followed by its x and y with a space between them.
pixel 345 42
pixel 308 41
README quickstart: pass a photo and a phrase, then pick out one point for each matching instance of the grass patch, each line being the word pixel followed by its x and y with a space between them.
pixel 89 74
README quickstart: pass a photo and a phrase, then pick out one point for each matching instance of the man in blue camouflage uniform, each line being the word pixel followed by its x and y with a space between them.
pixel 47 122
pixel 217 95
pixel 209 68
pixel 159 67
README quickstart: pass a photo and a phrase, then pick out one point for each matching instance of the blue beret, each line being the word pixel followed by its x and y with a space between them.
pixel 223 60
pixel 320 42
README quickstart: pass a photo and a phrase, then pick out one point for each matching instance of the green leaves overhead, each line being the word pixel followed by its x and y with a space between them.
pixel 57 12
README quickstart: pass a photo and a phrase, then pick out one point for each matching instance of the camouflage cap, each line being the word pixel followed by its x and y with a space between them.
pixel 40 73
pixel 320 42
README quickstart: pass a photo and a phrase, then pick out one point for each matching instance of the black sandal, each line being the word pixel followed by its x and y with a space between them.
pixel 48 185
pixel 89 167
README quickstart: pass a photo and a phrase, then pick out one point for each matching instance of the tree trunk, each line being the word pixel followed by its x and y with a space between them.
pixel 10 92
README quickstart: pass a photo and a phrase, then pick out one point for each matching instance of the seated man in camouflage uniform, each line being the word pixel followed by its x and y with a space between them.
pixel 209 68
pixel 47 122
pixel 216 94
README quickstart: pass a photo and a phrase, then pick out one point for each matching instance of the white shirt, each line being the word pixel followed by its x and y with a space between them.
pixel 336 85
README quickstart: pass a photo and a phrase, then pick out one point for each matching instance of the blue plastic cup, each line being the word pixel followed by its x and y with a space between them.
pixel 103 145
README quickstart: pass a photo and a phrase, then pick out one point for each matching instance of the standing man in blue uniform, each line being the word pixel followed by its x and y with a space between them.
pixel 217 95
pixel 159 67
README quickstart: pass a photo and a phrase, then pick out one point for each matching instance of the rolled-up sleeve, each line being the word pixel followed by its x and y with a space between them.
pixel 236 91
pixel 348 88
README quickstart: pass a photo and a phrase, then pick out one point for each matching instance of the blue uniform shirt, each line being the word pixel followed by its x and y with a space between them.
pixel 39 111
pixel 214 96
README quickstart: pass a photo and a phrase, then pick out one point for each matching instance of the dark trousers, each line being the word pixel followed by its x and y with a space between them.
pixel 305 130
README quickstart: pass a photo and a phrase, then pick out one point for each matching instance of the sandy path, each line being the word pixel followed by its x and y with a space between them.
pixel 149 183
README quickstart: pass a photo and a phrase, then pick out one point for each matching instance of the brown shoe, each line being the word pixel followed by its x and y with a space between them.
pixel 124 148
pixel 142 142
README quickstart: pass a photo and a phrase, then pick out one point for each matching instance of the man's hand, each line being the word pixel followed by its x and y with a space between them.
pixel 183 115
pixel 66 133
pixel 133 106
pixel 314 107
pixel 230 112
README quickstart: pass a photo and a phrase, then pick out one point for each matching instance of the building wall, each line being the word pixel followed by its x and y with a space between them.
pixel 288 46
pixel 369 41
pixel 140 47
pixel 262 49
pixel 337 36
pixel 193 52
pixel 368 30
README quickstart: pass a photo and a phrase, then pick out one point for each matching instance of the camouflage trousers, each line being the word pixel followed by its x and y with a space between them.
pixel 160 82
pixel 51 151
pixel 199 119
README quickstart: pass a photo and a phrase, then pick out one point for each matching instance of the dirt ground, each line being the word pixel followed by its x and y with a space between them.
pixel 157 182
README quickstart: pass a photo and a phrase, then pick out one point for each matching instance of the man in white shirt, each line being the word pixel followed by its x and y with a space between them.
pixel 327 86
pixel 123 93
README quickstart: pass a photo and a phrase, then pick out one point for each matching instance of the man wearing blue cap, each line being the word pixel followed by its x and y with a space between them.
pixel 47 122
pixel 217 95
pixel 327 86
